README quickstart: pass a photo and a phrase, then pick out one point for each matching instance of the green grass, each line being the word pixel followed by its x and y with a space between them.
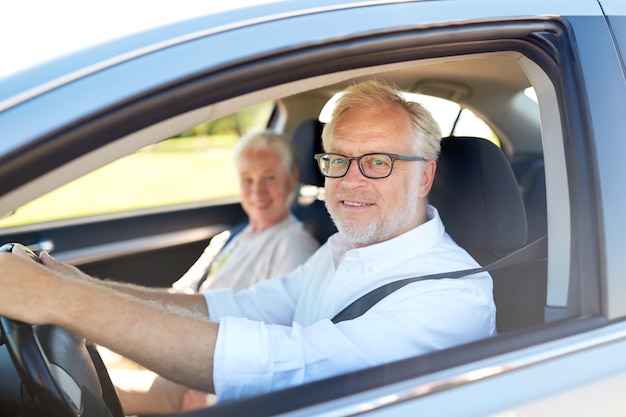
pixel 172 172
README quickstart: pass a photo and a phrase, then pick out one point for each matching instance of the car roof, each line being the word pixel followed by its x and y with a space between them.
pixel 67 39
pixel 71 36
pixel 65 27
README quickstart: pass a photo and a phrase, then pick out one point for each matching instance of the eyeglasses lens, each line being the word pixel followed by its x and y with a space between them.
pixel 372 165
pixel 376 165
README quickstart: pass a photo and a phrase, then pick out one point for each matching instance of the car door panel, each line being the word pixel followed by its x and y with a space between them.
pixel 148 248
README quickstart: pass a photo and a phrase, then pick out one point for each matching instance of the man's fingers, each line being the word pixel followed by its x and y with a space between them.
pixel 21 250
pixel 47 259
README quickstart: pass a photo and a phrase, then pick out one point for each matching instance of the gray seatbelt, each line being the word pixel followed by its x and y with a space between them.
pixel 233 232
pixel 529 253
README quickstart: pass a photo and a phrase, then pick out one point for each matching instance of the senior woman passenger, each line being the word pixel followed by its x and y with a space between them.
pixel 274 242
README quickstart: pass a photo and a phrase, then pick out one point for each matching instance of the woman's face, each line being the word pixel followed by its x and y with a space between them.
pixel 266 186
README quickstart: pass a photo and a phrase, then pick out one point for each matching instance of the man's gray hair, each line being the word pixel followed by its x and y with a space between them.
pixel 375 93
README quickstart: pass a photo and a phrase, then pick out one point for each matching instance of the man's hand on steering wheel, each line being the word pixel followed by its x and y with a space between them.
pixel 62 375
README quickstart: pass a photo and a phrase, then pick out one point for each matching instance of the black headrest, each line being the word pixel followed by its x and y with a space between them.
pixel 478 198
pixel 307 138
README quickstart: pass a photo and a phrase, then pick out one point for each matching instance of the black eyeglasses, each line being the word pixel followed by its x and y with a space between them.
pixel 372 165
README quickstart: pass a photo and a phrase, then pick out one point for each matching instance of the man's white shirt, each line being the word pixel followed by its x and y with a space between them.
pixel 279 333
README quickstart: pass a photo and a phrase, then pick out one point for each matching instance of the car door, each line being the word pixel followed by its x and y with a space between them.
pixel 555 47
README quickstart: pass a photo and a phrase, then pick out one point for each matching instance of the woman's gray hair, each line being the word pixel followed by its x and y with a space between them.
pixel 271 141
pixel 375 93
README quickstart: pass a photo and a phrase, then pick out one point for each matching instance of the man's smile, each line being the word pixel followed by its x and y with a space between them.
pixel 355 204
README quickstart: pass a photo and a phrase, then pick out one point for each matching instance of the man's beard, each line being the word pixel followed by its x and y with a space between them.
pixel 381 229
pixel 355 232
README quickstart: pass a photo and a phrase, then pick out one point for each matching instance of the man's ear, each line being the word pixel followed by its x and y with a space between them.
pixel 428 176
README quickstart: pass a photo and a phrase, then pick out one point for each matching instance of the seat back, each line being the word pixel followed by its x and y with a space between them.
pixel 309 206
pixel 307 137
pixel 478 198
pixel 481 206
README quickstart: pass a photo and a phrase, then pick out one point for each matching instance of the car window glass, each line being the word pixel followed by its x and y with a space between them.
pixel 452 118
pixel 200 168
pixel 469 124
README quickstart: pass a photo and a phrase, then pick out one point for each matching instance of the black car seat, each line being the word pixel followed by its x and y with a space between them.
pixel 309 206
pixel 478 198
pixel 481 207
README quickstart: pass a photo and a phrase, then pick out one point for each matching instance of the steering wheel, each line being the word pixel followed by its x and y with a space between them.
pixel 62 375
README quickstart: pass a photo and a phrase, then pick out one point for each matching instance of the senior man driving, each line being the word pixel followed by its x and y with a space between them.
pixel 379 164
